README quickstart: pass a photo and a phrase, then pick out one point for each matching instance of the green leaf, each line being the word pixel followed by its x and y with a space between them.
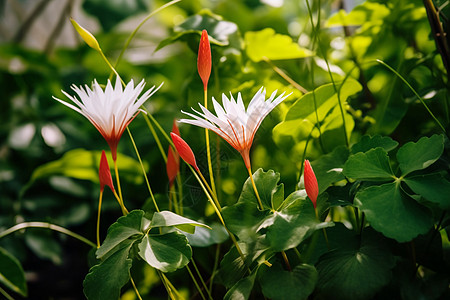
pixel 355 270
pixel 293 223
pixel 266 184
pixel 417 156
pixel 328 168
pixel 83 164
pixel 204 237
pixel 105 280
pixel 166 252
pixel 12 274
pixel 168 218
pixel 278 284
pixel 372 165
pixel 232 268
pixel 266 44
pixel 393 213
pixel 301 118
pixel 242 289
pixel 433 187
pixel 366 14
pixel 368 142
pixel 124 228
pixel 221 33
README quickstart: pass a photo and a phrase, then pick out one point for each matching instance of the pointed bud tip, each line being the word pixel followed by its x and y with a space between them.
pixel 86 36
pixel 104 173
pixel 184 150
pixel 311 185
pixel 204 59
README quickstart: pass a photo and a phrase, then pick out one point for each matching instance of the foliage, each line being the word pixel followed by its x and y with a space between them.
pixel 369 107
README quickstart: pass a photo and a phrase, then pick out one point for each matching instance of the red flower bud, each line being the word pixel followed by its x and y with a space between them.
pixel 311 186
pixel 172 165
pixel 204 59
pixel 104 173
pixel 175 128
pixel 184 150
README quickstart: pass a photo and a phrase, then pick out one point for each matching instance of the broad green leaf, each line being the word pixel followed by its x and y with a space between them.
pixel 12 274
pixel 104 281
pixel 355 270
pixel 267 44
pixel 368 12
pixel 83 164
pixel 204 237
pixel 232 268
pixel 242 289
pixel 372 165
pixel 328 168
pixel 266 184
pixel 301 117
pixel 166 252
pixel 368 142
pixel 168 218
pixel 221 33
pixel 417 156
pixel 124 228
pixel 293 223
pixel 393 213
pixel 433 187
pixel 278 284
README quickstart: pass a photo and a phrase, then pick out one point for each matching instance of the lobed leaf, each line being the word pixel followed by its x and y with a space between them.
pixel 372 165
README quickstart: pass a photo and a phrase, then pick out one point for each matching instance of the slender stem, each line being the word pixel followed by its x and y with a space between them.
pixel 195 282
pixel 216 201
pixel 180 193
pixel 155 136
pixel 98 217
pixel 120 198
pixel 143 170
pixel 208 150
pixel 50 226
pixel 4 293
pixel 111 67
pixel 329 73
pixel 127 43
pixel 216 265
pixel 261 207
pixel 286 261
pixel 219 215
pixel 135 288
pixel 170 288
pixel 201 279
pixel 124 210
pixel 285 76
pixel 415 93
pixel 159 127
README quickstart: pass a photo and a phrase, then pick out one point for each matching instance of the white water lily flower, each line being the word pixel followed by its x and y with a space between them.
pixel 233 122
pixel 111 110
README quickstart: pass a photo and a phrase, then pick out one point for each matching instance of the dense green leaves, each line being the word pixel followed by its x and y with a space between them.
pixel 370 142
pixel 266 44
pixel 242 289
pixel 11 273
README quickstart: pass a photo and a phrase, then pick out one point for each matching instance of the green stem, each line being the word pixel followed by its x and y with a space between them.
pixel 329 72
pixel 127 43
pixel 201 279
pixel 208 150
pixel 4 293
pixel 195 282
pixel 261 207
pixel 216 265
pixel 415 93
pixel 50 226
pixel 143 170
pixel 155 136
pixel 135 288
pixel 98 218
pixel 120 199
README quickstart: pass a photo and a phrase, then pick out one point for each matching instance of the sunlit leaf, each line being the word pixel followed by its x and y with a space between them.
pixel 204 237
pixel 168 218
pixel 267 44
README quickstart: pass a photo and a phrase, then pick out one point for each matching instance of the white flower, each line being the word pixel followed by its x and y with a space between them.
pixel 111 110
pixel 233 122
